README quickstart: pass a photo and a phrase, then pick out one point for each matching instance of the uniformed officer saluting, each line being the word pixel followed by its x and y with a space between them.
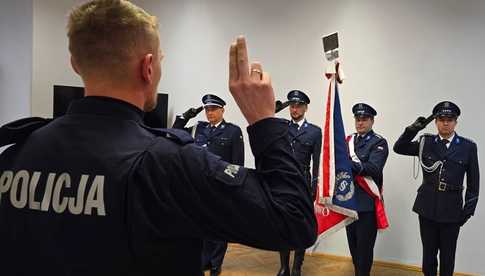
pixel 96 192
pixel 445 159
pixel 225 140
pixel 306 141
pixel 369 156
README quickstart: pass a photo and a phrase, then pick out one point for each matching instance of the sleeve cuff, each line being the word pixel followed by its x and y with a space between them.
pixel 265 132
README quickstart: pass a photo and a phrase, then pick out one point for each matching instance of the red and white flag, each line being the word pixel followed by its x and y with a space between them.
pixel 335 206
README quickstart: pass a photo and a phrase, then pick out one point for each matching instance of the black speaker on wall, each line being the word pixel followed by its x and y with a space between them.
pixel 64 95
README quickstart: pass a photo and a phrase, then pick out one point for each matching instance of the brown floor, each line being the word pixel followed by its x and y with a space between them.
pixel 245 261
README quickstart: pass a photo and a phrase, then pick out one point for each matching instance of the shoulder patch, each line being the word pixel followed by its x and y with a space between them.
pixel 180 136
pixel 230 174
pixel 19 130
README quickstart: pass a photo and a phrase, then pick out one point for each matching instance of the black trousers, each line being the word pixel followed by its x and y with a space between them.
pixel 361 236
pixel 442 237
pixel 213 253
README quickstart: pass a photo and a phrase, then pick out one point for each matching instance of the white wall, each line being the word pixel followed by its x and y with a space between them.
pixel 15 59
pixel 402 57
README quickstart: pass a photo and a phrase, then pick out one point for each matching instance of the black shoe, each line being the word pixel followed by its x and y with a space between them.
pixel 296 272
pixel 284 271
pixel 215 271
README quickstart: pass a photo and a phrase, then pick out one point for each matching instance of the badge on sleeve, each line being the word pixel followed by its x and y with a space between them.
pixel 230 174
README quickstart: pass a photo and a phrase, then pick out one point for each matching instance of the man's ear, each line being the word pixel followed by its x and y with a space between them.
pixel 74 66
pixel 147 68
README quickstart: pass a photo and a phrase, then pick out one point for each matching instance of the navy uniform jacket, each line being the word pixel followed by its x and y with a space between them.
pixel 307 144
pixel 95 192
pixel 444 202
pixel 225 141
pixel 372 151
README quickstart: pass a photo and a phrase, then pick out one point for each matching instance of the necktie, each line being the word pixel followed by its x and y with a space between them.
pixel 294 125
pixel 445 142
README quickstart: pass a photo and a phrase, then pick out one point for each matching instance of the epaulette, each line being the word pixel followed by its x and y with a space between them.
pixel 17 131
pixel 179 136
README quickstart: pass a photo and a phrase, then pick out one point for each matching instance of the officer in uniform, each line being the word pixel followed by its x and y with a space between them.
pixel 445 158
pixel 96 192
pixel 306 141
pixel 371 151
pixel 225 140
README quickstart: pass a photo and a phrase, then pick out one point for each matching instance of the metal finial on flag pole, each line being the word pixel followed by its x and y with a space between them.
pixel 331 49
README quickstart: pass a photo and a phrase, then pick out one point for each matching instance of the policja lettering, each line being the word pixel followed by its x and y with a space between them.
pixel 22 187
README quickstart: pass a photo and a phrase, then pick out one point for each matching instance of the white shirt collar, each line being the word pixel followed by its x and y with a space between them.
pixel 299 123
pixel 362 135
pixel 449 139
pixel 216 125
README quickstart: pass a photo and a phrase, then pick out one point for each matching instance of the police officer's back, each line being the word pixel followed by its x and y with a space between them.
pixel 97 193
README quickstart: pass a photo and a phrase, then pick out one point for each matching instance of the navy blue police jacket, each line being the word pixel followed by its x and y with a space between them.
pixel 440 196
pixel 372 151
pixel 225 140
pixel 306 142
pixel 95 192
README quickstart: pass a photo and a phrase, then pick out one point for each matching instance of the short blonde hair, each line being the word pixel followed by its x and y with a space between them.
pixel 105 35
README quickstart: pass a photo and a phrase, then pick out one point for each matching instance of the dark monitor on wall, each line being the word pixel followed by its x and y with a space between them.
pixel 64 95
pixel 158 117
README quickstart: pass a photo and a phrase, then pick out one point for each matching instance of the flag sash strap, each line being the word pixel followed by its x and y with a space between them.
pixel 370 187
pixel 369 184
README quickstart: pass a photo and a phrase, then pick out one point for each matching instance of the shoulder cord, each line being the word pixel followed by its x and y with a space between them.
pixel 194 128
pixel 428 169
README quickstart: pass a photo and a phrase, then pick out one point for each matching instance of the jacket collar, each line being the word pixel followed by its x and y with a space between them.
pixel 105 106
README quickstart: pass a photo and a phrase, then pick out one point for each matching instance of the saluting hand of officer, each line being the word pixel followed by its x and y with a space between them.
pixel 192 112
pixel 249 85
pixel 279 105
pixel 420 123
